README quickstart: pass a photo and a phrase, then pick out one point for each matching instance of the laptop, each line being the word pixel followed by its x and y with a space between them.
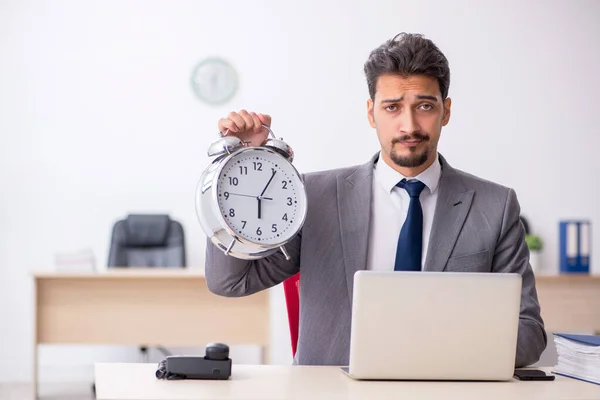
pixel 434 325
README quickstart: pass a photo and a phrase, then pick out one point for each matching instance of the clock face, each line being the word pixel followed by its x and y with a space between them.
pixel 261 197
pixel 214 81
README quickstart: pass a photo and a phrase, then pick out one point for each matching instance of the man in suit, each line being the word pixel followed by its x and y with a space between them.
pixel 405 209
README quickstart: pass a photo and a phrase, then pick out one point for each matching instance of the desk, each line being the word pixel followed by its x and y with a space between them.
pixel 569 302
pixel 137 381
pixel 142 307
pixel 135 307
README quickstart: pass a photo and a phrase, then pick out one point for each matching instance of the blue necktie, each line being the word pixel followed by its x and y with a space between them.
pixel 410 241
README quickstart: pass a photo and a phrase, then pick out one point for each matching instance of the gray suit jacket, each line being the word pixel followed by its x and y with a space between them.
pixel 476 227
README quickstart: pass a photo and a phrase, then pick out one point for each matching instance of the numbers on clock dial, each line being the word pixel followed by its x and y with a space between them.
pixel 259 197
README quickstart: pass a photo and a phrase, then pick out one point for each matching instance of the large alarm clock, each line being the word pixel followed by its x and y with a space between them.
pixel 251 201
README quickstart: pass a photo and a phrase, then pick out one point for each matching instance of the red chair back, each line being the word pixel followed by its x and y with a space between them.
pixel 291 289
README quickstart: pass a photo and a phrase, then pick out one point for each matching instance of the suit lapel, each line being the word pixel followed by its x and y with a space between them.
pixel 354 197
pixel 452 208
pixel 354 194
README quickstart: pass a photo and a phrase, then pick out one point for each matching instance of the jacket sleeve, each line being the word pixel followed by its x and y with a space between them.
pixel 232 277
pixel 512 255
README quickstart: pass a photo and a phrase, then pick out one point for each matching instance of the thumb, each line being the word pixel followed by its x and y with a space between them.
pixel 265 119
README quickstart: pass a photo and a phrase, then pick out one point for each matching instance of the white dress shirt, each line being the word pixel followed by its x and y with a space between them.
pixel 389 208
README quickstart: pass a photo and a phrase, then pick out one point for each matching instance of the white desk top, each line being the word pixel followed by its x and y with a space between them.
pixel 137 381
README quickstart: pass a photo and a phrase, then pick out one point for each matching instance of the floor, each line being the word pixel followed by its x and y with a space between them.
pixel 48 391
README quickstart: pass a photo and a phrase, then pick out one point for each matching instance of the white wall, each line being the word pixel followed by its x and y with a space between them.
pixel 97 118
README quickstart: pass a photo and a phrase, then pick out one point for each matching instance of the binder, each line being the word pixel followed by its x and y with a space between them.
pixel 575 243
pixel 578 357
pixel 584 246
pixel 590 340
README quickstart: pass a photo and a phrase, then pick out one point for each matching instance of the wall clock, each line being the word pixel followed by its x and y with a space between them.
pixel 214 81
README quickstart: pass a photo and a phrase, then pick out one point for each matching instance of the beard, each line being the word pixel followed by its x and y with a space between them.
pixel 416 157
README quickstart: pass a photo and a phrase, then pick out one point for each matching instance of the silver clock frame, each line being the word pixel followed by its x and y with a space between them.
pixel 207 209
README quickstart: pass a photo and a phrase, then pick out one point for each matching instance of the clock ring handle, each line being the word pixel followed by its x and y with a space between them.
pixel 264 126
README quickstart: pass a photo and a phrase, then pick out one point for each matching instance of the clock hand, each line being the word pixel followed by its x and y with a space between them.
pixel 258 198
pixel 243 195
pixel 268 183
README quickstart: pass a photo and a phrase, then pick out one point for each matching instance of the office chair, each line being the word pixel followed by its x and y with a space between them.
pixel 291 290
pixel 147 240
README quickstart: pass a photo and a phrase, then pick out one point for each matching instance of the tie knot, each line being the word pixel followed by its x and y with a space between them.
pixel 413 187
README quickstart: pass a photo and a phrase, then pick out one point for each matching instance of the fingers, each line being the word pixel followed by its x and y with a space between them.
pixel 248 121
pixel 238 121
pixel 256 121
pixel 248 126
pixel 265 119
pixel 227 124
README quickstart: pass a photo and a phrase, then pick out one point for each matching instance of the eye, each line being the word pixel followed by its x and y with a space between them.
pixel 391 107
pixel 426 107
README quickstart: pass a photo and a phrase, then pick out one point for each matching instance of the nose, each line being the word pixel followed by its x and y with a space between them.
pixel 408 122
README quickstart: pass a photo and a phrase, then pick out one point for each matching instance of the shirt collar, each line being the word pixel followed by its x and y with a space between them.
pixel 388 177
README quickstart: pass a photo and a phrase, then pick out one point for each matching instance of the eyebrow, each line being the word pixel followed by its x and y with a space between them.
pixel 419 97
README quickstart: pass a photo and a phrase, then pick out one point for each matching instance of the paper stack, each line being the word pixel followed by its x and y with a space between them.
pixel 578 357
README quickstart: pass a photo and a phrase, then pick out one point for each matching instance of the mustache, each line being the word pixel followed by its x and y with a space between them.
pixel 414 136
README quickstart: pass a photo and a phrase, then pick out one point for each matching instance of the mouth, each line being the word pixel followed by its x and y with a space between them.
pixel 410 142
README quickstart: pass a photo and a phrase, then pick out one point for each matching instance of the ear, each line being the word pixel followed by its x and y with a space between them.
pixel 370 113
pixel 447 111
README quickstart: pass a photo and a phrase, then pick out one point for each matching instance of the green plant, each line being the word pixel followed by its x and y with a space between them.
pixel 534 242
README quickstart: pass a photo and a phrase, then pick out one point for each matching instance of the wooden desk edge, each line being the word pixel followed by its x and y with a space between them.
pixel 176 273
pixel 567 278
pixel 129 273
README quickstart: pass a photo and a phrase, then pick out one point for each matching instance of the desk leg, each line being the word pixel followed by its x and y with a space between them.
pixel 35 372
pixel 35 340
pixel 265 359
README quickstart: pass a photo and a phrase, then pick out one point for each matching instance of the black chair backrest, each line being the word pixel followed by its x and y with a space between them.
pixel 147 240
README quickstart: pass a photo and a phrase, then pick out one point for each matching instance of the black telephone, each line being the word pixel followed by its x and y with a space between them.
pixel 216 364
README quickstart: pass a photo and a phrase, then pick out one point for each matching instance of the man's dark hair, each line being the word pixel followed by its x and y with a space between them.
pixel 405 55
